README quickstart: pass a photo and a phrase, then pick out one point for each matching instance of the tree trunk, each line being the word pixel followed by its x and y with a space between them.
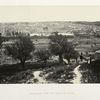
pixel 68 60
pixel 90 60
pixel 60 59
pixel 23 64
pixel 76 60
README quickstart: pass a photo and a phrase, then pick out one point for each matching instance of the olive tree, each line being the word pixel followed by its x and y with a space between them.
pixel 21 49
pixel 59 45
pixel 1 40
pixel 0 43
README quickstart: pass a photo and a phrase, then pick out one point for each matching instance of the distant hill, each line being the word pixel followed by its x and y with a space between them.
pixel 89 23
pixel 48 27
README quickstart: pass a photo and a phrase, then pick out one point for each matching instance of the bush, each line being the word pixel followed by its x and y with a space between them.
pixel 43 55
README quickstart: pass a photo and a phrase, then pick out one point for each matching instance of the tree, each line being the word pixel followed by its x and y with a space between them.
pixel 43 55
pixel 1 40
pixel 21 49
pixel 72 54
pixel 59 45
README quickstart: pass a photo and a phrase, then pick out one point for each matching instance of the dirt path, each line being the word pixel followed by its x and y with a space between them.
pixel 40 78
pixel 76 80
pixel 37 76
pixel 78 75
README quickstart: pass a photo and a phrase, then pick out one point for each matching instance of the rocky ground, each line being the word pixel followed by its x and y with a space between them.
pixel 77 73
pixel 54 74
pixel 90 72
pixel 59 74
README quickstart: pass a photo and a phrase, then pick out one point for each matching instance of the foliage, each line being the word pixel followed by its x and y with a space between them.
pixel 1 40
pixel 72 54
pixel 21 49
pixel 43 55
pixel 59 45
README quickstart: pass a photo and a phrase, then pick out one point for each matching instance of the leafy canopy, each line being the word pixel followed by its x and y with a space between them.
pixel 21 49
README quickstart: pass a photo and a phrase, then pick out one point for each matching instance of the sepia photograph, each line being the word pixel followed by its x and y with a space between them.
pixel 50 51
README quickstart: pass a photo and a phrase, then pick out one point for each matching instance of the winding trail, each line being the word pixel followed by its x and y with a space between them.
pixel 37 76
pixel 42 80
pixel 78 75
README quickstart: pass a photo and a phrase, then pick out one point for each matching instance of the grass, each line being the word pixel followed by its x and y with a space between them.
pixel 11 70
pixel 55 72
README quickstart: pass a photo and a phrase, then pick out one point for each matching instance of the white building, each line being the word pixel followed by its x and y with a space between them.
pixel 35 34
pixel 67 34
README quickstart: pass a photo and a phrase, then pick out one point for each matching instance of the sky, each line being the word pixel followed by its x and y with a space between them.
pixel 49 13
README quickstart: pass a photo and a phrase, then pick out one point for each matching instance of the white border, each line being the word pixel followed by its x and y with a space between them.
pixel 50 92
pixel 49 2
